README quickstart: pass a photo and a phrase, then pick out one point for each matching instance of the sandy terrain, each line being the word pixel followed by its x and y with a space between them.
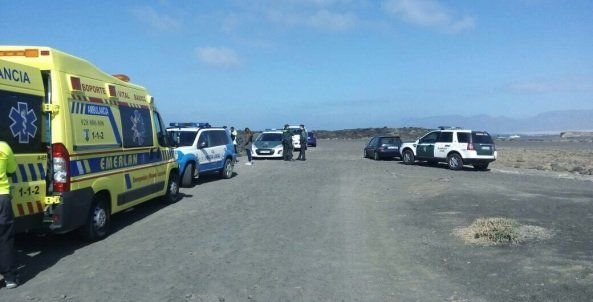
pixel 559 156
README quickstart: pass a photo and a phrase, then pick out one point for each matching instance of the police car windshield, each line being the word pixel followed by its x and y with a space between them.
pixel 184 138
pixel 270 137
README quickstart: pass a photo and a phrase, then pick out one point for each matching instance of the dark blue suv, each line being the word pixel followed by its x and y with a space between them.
pixel 311 139
pixel 380 147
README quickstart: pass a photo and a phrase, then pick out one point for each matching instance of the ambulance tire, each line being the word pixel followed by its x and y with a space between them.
pixel 172 194
pixel 188 176
pixel 227 169
pixel 98 221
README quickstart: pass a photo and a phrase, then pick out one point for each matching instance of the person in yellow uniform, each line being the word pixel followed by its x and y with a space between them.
pixel 7 256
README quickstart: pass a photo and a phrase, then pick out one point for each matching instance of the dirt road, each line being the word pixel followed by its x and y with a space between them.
pixel 334 228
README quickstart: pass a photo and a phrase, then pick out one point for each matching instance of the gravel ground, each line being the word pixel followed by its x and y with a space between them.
pixel 558 156
pixel 334 228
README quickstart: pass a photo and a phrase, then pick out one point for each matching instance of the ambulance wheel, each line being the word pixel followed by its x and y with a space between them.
pixel 98 221
pixel 172 194
pixel 188 175
pixel 227 170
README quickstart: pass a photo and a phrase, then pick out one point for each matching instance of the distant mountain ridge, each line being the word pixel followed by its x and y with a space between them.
pixel 552 121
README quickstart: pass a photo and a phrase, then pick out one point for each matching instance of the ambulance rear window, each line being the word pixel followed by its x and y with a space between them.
pixel 20 121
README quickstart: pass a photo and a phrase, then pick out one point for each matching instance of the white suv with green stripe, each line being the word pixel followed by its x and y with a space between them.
pixel 454 146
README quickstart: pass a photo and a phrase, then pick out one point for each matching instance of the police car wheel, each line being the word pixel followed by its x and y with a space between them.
pixel 408 157
pixel 188 175
pixel 98 221
pixel 172 194
pixel 227 169
pixel 454 161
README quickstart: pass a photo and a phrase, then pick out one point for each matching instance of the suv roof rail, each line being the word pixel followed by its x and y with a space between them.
pixel 190 124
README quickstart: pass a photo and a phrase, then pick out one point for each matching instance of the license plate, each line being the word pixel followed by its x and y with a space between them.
pixel 485 148
pixel 392 148
pixel 264 152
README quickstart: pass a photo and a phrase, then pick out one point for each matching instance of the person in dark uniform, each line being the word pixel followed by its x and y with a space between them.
pixel 303 141
pixel 287 144
pixel 7 256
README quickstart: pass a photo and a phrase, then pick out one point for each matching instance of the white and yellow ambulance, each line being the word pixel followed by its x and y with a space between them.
pixel 87 144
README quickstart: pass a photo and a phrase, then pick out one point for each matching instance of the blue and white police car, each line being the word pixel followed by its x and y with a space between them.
pixel 201 148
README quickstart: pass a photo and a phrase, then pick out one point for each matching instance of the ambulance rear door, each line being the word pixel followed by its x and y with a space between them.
pixel 22 126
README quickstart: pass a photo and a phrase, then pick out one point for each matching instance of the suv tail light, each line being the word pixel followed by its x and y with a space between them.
pixel 61 168
pixel 470 146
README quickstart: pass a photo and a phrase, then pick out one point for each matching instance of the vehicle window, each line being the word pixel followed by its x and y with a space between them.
pixel 204 138
pixel 481 138
pixel 270 137
pixel 21 126
pixel 445 137
pixel 463 137
pixel 136 127
pixel 429 138
pixel 184 138
pixel 217 138
pixel 162 138
pixel 372 142
pixel 392 141
pixel 295 131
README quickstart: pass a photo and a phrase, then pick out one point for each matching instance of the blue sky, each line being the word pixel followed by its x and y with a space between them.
pixel 327 63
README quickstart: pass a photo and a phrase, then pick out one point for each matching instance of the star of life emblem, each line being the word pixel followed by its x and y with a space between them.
pixel 23 122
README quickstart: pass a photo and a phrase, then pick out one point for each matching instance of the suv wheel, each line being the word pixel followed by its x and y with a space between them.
pixel 455 161
pixel 188 175
pixel 227 169
pixel 408 157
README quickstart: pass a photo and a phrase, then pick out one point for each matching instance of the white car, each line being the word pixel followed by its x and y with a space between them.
pixel 456 147
pixel 267 145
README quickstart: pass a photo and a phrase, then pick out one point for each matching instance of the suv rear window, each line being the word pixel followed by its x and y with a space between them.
pixel 394 141
pixel 479 137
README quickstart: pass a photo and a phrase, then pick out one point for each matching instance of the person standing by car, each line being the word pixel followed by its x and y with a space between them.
pixel 287 144
pixel 247 143
pixel 303 141
pixel 234 138
pixel 7 261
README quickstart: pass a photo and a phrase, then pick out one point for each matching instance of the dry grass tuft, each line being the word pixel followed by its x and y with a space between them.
pixel 498 231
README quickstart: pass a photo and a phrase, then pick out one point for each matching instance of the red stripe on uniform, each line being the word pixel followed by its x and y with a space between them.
pixel 39 206
pixel 95 100
pixel 20 208
pixel 30 207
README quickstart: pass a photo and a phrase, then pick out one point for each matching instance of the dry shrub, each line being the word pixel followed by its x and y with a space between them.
pixel 498 230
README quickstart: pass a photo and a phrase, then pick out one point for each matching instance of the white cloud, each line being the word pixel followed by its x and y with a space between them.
pixel 220 57
pixel 155 19
pixel 428 13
